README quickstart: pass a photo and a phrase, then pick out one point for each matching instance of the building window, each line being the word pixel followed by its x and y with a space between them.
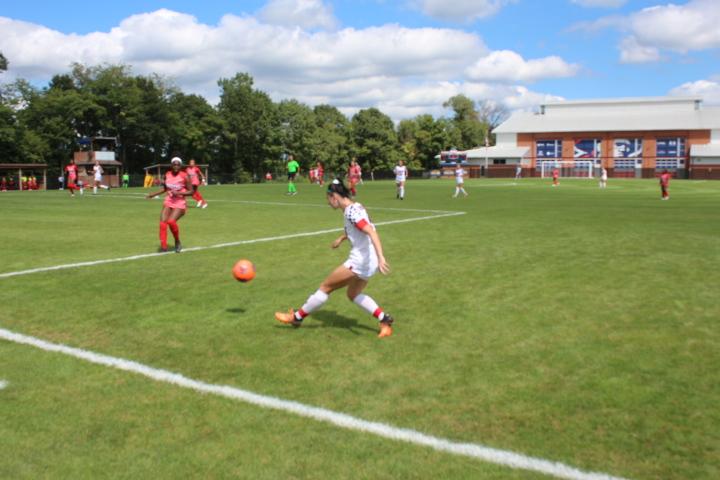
pixel 588 149
pixel 548 149
pixel 670 153
pixel 499 161
pixel 626 151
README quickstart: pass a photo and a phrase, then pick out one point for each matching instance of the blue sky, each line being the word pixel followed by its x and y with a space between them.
pixel 403 56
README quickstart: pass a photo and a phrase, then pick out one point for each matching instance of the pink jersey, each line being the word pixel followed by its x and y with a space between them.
pixel 355 171
pixel 665 179
pixel 194 174
pixel 71 171
pixel 175 183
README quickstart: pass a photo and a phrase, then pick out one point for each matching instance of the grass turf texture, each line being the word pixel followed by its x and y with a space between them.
pixel 568 323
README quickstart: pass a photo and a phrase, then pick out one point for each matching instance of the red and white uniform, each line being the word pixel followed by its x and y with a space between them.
pixel 363 258
pixel 194 174
pixel 175 183
pixel 400 173
pixel 72 173
pixel 97 173
pixel 355 173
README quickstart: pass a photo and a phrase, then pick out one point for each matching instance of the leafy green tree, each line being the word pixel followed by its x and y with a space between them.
pixel 374 141
pixel 195 128
pixel 296 128
pixel 3 62
pixel 331 138
pixel 249 115
pixel 467 120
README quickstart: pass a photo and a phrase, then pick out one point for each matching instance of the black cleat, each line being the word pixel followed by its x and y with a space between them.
pixel 162 250
pixel 178 247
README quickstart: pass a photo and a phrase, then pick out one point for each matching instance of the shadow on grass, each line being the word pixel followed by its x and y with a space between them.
pixel 235 310
pixel 329 319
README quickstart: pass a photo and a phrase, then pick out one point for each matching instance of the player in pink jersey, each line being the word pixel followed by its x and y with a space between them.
pixel 354 175
pixel 366 258
pixel 196 177
pixel 556 176
pixel 71 171
pixel 664 184
pixel 320 173
pixel 177 186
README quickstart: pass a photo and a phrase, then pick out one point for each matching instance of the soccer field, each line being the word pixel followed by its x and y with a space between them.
pixel 570 324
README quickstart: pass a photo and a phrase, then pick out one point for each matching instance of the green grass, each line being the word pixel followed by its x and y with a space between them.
pixel 570 323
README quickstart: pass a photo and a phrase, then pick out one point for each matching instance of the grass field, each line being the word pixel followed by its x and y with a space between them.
pixel 570 324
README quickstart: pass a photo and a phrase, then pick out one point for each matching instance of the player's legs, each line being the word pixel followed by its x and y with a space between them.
pixel 174 215
pixel 401 189
pixel 164 216
pixel 338 278
pixel 354 293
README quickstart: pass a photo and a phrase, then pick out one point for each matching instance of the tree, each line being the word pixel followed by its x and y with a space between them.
pixel 375 142
pixel 249 115
pixel 331 138
pixel 3 63
pixel 296 128
pixel 467 120
pixel 195 128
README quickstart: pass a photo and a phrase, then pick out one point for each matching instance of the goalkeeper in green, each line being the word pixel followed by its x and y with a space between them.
pixel 293 168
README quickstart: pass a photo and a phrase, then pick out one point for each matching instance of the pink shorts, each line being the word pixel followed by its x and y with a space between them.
pixel 172 201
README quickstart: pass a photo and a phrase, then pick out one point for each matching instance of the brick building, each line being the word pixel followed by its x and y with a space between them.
pixel 631 137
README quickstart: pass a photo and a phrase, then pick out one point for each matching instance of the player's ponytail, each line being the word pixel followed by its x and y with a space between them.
pixel 337 186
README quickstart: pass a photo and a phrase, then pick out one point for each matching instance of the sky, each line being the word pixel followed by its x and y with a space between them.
pixel 405 57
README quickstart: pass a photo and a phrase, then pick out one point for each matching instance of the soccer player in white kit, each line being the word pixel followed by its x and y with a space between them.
pixel 603 178
pixel 366 258
pixel 97 177
pixel 401 174
pixel 459 180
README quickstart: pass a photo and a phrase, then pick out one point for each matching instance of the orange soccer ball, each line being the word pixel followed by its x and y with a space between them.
pixel 244 271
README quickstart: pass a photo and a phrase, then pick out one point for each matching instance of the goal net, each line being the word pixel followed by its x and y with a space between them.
pixel 567 169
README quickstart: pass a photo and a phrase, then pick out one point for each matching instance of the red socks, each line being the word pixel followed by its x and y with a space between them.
pixel 174 229
pixel 197 196
pixel 163 234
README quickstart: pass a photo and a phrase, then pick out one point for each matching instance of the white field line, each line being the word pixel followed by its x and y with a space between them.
pixel 3 384
pixel 342 420
pixel 209 247
pixel 136 196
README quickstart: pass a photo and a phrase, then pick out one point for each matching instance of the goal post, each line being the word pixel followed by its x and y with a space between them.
pixel 567 168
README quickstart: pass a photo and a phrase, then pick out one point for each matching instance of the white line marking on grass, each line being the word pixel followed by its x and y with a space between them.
pixel 209 247
pixel 3 384
pixel 136 196
pixel 492 455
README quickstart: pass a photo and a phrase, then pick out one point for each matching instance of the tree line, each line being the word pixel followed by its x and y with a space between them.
pixel 245 135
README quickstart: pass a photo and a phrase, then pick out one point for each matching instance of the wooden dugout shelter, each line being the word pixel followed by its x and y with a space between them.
pixel 17 168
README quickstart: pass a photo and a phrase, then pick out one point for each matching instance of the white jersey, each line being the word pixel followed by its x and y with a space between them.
pixel 400 173
pixel 459 175
pixel 97 172
pixel 603 176
pixel 363 258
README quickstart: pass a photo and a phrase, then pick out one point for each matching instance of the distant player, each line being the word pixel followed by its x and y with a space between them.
pixel 354 175
pixel 401 174
pixel 603 178
pixel 459 180
pixel 196 177
pixel 320 173
pixel 664 184
pixel 268 177
pixel 518 172
pixel 556 176
pixel 98 177
pixel 71 172
pixel 177 186
pixel 366 258
pixel 293 169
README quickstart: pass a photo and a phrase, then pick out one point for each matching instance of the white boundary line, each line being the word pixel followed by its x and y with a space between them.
pixel 209 247
pixel 3 384
pixel 492 455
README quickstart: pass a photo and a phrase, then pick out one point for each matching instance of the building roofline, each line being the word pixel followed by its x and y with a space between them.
pixel 625 100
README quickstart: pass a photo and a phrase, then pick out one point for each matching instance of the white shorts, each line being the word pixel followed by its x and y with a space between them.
pixel 98 178
pixel 459 181
pixel 399 179
pixel 362 267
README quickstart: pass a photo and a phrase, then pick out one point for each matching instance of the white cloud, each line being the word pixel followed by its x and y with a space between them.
pixel 633 52
pixel 404 70
pixel 508 66
pixel 460 10
pixel 683 28
pixel 306 14
pixel 709 90
pixel 600 3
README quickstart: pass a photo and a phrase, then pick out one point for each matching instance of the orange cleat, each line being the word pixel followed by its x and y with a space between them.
pixel 386 326
pixel 288 318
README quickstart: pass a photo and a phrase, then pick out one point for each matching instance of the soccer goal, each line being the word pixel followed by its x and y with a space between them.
pixel 567 169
